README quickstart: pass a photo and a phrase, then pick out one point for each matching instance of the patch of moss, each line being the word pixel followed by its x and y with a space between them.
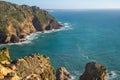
pixel 3 55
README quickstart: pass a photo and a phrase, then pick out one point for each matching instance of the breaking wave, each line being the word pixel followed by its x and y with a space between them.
pixel 113 75
pixel 31 37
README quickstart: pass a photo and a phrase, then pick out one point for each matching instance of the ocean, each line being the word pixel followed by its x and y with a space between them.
pixel 87 35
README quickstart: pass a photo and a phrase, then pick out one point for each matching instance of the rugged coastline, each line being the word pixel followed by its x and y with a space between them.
pixel 18 21
pixel 39 67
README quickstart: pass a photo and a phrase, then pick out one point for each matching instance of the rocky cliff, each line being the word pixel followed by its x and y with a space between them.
pixel 18 21
pixel 32 67
pixel 38 67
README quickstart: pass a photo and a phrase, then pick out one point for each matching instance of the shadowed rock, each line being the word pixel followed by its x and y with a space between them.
pixel 94 71
pixel 4 56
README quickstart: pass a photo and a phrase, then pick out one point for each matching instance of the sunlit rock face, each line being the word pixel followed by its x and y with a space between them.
pixel 18 21
pixel 63 74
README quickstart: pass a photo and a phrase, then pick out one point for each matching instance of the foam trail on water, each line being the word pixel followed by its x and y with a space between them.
pixel 87 57
pixel 81 51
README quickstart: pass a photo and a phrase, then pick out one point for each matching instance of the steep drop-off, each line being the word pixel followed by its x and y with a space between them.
pixel 38 67
pixel 32 67
pixel 18 21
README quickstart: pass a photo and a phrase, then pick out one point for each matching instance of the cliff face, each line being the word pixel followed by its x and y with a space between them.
pixel 38 67
pixel 33 67
pixel 7 70
pixel 17 21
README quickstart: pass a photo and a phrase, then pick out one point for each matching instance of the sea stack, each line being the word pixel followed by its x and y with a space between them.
pixel 94 71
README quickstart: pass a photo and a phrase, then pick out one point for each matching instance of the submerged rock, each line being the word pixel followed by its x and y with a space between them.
pixel 63 74
pixel 94 71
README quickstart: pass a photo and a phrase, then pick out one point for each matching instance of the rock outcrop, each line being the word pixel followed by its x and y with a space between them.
pixel 94 71
pixel 33 67
pixel 7 70
pixel 4 56
pixel 18 21
pixel 38 67
pixel 63 74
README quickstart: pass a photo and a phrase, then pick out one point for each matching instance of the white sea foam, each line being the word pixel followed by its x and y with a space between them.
pixel 66 26
pixel 26 40
pixel 31 37
pixel 114 75
pixel 66 23
pixel 75 75
pixel 85 56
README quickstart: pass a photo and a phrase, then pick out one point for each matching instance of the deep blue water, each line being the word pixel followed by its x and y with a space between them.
pixel 91 35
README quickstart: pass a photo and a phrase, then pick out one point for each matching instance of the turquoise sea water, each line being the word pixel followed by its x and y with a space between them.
pixel 88 35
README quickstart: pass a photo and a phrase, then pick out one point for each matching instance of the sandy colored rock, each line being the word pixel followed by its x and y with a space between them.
pixel 63 74
pixel 32 67
pixel 35 66
pixel 18 21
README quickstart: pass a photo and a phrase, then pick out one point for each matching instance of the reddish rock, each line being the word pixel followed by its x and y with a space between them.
pixel 94 71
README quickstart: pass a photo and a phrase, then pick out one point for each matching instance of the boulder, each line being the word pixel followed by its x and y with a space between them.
pixel 94 71
pixel 63 74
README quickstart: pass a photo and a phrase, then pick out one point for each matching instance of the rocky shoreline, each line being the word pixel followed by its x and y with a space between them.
pixel 38 67
pixel 18 21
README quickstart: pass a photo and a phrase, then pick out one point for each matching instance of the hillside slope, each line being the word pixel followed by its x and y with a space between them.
pixel 18 21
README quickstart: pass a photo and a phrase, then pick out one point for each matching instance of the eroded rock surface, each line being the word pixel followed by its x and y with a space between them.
pixel 94 71
pixel 35 66
pixel 63 74
pixel 32 67
pixel 18 21
pixel 38 67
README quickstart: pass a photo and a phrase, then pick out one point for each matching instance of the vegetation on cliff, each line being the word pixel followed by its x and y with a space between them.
pixel 18 21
